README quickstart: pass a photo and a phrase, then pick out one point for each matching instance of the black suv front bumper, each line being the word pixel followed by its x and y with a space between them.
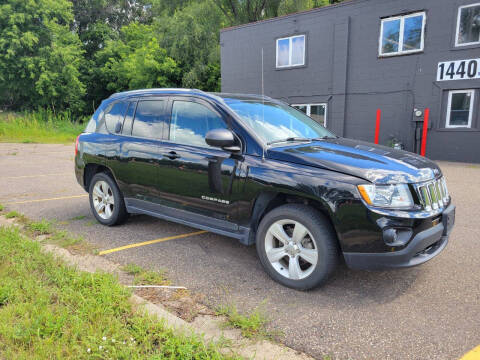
pixel 423 247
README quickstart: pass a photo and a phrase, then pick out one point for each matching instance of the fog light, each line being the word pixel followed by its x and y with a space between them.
pixel 396 236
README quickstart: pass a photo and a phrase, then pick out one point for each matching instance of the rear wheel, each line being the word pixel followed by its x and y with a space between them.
pixel 297 246
pixel 106 201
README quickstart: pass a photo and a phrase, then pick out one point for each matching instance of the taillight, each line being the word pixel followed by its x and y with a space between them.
pixel 76 145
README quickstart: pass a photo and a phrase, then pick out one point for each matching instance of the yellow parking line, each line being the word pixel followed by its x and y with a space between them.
pixel 472 355
pixel 32 176
pixel 104 252
pixel 50 199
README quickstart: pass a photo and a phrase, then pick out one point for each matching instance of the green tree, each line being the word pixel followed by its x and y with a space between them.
pixel 136 60
pixel 292 6
pixel 96 23
pixel 244 11
pixel 169 7
pixel 191 38
pixel 40 57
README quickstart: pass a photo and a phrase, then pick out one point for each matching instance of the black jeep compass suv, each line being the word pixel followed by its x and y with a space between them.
pixel 255 169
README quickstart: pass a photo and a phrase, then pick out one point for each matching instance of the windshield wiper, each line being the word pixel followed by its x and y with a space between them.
pixel 325 138
pixel 290 139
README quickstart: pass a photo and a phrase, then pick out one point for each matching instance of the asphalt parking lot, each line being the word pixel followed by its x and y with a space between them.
pixel 428 312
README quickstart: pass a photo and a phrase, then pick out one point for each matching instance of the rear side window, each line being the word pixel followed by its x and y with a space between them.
pixel 191 122
pixel 115 115
pixel 149 119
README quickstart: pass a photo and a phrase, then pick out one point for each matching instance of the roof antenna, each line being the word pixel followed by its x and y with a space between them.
pixel 263 106
pixel 263 92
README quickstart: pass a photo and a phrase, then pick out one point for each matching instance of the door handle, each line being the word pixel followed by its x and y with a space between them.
pixel 172 155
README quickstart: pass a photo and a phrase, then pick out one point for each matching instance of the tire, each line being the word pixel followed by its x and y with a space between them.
pixel 104 193
pixel 313 239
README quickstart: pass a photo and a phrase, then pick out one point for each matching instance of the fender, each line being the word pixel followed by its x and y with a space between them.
pixel 268 183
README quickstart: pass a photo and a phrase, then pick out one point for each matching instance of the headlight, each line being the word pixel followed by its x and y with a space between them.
pixel 387 196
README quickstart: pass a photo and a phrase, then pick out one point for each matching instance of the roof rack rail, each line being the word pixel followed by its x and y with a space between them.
pixel 141 91
pixel 253 95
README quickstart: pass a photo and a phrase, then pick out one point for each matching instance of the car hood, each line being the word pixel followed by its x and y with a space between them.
pixel 375 163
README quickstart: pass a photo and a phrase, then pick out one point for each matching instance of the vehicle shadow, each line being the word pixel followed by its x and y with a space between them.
pixel 346 288
pixel 355 287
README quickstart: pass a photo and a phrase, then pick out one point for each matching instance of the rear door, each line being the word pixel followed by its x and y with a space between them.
pixel 117 116
pixel 140 154
pixel 193 175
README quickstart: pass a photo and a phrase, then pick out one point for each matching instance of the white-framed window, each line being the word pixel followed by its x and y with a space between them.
pixel 468 25
pixel 291 51
pixel 402 34
pixel 317 112
pixel 460 108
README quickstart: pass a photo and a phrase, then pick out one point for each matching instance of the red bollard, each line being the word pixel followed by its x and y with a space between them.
pixel 424 133
pixel 377 126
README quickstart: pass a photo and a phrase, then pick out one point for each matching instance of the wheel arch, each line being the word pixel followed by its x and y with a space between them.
pixel 267 201
pixel 91 170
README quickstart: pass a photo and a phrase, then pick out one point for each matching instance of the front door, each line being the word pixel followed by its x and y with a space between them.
pixel 193 175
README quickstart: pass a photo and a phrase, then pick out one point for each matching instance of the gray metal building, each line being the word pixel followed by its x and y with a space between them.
pixel 341 63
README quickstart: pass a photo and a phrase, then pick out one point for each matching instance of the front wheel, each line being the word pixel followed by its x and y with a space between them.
pixel 106 200
pixel 297 246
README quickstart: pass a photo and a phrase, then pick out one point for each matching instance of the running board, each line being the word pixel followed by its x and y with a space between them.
pixel 221 227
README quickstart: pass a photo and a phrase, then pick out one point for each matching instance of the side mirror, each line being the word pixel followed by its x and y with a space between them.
pixel 222 138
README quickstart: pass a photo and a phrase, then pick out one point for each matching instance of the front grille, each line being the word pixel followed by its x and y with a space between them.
pixel 433 194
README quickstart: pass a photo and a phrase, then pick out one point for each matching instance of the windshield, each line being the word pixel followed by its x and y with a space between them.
pixel 275 123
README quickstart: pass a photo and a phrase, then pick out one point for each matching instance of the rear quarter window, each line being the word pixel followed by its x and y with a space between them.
pixel 115 114
pixel 91 126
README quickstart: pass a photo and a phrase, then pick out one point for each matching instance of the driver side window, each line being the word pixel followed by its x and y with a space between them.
pixel 191 122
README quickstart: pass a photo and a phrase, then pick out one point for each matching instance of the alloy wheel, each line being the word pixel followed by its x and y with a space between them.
pixel 291 249
pixel 103 199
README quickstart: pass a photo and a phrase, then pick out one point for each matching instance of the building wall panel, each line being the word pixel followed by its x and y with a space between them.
pixel 344 70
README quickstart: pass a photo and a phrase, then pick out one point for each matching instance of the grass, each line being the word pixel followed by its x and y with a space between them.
pixel 49 310
pixel 38 127
pixel 251 325
pixel 145 277
pixel 42 227
pixel 1 207
pixel 12 214
pixel 62 238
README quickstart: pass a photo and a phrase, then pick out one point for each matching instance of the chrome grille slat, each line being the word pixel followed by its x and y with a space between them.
pixel 439 194
pixel 426 197
pixel 431 189
pixel 442 193
pixel 445 189
pixel 433 194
